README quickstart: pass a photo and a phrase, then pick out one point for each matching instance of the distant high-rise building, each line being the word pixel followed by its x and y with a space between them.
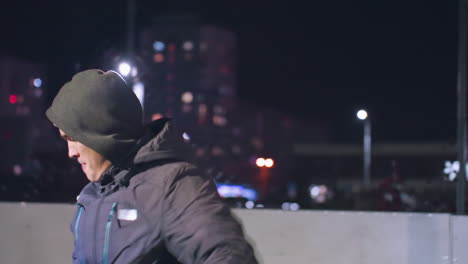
pixel 190 74
pixel 21 87
pixel 22 98
pixel 190 69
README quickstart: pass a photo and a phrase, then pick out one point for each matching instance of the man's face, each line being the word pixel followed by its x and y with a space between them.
pixel 92 163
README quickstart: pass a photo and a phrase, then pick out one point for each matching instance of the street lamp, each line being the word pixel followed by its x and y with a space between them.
pixel 124 69
pixel 362 115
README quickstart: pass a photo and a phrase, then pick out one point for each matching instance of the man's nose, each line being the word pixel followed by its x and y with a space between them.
pixel 72 153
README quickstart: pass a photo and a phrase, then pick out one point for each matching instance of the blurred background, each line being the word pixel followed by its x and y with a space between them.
pixel 342 105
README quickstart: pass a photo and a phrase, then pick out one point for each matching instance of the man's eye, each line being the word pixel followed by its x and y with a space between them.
pixel 68 138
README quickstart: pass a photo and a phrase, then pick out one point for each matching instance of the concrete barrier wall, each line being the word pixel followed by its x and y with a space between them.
pixel 459 225
pixel 39 233
pixel 35 233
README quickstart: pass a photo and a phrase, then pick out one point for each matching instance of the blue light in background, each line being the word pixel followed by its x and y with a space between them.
pixel 236 191
pixel 158 46
pixel 37 82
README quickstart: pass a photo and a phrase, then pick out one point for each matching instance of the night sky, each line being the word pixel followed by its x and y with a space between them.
pixel 318 60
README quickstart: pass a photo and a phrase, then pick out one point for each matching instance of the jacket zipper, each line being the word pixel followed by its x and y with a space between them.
pixel 95 230
pixel 77 222
pixel 106 237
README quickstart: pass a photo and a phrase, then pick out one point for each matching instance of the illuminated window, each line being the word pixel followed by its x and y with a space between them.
pixel 158 46
pixel 20 99
pixel 171 59
pixel 187 97
pixel 22 110
pixel 38 92
pixel 257 143
pixel 134 71
pixel 158 58
pixel 200 152
pixel 37 82
pixel 219 110
pixel 186 108
pixel 202 109
pixel 171 47
pixel 17 170
pixel 188 45
pixel 219 120
pixel 217 151
pixel 12 99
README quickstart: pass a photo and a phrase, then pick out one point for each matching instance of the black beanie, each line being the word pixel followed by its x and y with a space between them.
pixel 99 110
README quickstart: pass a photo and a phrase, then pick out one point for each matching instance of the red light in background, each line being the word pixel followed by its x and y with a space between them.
pixel 12 99
pixel 158 58
pixel 171 47
pixel 262 162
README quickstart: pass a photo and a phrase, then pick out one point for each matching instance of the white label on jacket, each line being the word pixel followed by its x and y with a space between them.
pixel 127 214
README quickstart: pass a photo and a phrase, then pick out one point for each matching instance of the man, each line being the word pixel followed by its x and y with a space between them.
pixel 143 204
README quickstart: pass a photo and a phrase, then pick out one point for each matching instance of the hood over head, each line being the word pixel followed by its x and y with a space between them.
pixel 99 110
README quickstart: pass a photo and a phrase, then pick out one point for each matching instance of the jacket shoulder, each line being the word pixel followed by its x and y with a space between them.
pixel 161 174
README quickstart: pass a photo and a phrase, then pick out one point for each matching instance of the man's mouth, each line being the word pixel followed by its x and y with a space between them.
pixel 83 166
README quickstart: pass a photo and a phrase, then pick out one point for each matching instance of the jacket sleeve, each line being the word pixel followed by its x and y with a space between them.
pixel 198 227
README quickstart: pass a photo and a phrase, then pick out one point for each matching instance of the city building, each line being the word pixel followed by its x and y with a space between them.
pixel 187 70
pixel 22 104
pixel 189 73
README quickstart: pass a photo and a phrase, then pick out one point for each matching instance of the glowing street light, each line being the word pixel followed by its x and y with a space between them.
pixel 362 115
pixel 124 69
pixel 158 46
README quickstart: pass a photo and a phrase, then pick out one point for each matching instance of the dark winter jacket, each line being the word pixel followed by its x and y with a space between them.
pixel 158 209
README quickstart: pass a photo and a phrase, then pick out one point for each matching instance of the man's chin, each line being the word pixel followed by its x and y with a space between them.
pixel 92 178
